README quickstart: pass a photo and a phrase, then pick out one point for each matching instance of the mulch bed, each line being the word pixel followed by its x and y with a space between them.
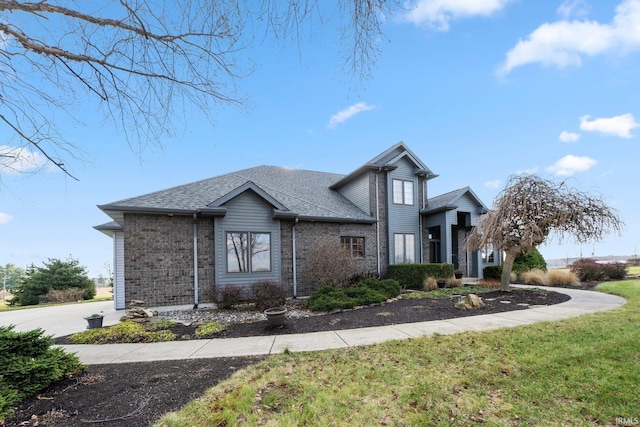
pixel 139 394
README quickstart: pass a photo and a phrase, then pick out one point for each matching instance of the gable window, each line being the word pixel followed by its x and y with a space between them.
pixel 353 245
pixel 248 252
pixel 402 192
pixel 404 248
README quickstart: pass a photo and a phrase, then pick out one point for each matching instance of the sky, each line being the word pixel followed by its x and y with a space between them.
pixel 479 91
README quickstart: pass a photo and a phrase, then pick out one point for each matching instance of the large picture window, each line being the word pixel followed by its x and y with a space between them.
pixel 248 252
pixel 353 245
pixel 402 192
pixel 404 248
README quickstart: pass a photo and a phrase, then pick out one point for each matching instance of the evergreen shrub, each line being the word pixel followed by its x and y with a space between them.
pixel 30 364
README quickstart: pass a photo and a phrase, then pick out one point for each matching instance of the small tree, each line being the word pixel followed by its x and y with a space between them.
pixel 329 263
pixel 56 274
pixel 529 209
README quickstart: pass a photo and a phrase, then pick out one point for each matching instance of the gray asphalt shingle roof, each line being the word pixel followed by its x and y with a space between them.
pixel 303 192
pixel 448 200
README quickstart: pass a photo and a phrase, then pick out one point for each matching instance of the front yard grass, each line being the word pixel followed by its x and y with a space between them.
pixel 580 371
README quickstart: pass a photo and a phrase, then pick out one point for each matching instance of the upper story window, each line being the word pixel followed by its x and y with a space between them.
pixel 353 245
pixel 402 192
pixel 248 252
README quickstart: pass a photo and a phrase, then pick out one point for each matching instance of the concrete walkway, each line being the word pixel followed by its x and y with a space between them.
pixel 582 302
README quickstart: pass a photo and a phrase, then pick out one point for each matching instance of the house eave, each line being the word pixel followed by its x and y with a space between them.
pixel 438 209
pixel 364 168
pixel 338 220
pixel 217 211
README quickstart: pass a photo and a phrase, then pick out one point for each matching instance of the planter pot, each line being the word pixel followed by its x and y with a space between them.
pixel 458 275
pixel 275 316
pixel 442 284
pixel 94 322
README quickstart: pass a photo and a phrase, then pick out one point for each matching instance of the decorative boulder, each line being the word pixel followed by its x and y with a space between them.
pixel 469 302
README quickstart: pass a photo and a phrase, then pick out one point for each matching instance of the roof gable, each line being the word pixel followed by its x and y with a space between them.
pixel 247 186
pixel 387 160
pixel 449 201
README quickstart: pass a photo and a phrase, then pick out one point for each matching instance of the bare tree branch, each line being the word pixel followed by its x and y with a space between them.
pixel 140 61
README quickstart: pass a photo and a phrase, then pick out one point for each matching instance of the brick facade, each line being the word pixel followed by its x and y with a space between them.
pixel 311 234
pixel 159 262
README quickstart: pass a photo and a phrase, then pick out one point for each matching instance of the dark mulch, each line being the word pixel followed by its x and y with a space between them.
pixel 139 394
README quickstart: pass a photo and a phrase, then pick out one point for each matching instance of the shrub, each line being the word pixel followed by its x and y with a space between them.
pixel 388 287
pixel 329 298
pixel 124 332
pixel 64 295
pixel 561 278
pixel 210 328
pixel 530 261
pixel 615 271
pixel 56 274
pixel 492 272
pixel 369 291
pixel 534 277
pixel 30 364
pixel 430 284
pixel 588 270
pixel 452 282
pixel 329 263
pixel 268 293
pixel 229 296
pixel 412 276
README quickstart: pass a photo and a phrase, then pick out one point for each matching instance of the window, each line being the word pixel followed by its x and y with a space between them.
pixel 402 192
pixel 353 245
pixel 404 248
pixel 488 254
pixel 248 252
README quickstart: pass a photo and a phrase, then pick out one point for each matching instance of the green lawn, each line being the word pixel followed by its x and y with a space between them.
pixel 5 307
pixel 581 371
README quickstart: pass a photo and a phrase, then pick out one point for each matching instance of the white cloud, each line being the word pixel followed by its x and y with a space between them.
pixel 438 13
pixel 569 8
pixel 618 126
pixel 493 184
pixel 565 43
pixel 569 136
pixel 349 112
pixel 569 165
pixel 19 159
pixel 5 218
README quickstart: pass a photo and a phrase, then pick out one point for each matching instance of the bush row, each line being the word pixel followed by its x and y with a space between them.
pixel 30 364
pixel 588 270
pixel 366 292
pixel 263 293
pixel 413 276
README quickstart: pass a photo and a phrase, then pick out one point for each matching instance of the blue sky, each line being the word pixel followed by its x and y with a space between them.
pixel 478 90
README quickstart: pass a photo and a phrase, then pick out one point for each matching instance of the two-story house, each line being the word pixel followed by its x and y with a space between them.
pixel 176 246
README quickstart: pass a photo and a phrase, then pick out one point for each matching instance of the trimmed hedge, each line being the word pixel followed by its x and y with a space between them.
pixel 366 292
pixel 492 272
pixel 412 276
pixel 30 364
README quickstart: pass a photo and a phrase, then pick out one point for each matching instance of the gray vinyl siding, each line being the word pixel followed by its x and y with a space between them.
pixel 357 191
pixel 118 270
pixel 246 213
pixel 404 219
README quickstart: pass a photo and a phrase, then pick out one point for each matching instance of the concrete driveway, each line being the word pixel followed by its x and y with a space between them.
pixel 60 320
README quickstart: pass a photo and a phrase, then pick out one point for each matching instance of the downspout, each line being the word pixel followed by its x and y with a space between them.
pixel 293 249
pixel 195 260
pixel 378 225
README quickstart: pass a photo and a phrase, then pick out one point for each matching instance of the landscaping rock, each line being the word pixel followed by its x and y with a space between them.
pixel 469 302
pixel 137 312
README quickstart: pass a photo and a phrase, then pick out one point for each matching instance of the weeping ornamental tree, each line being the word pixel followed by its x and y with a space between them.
pixel 531 209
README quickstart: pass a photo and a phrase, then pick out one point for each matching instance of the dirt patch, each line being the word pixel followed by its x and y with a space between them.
pixel 140 393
